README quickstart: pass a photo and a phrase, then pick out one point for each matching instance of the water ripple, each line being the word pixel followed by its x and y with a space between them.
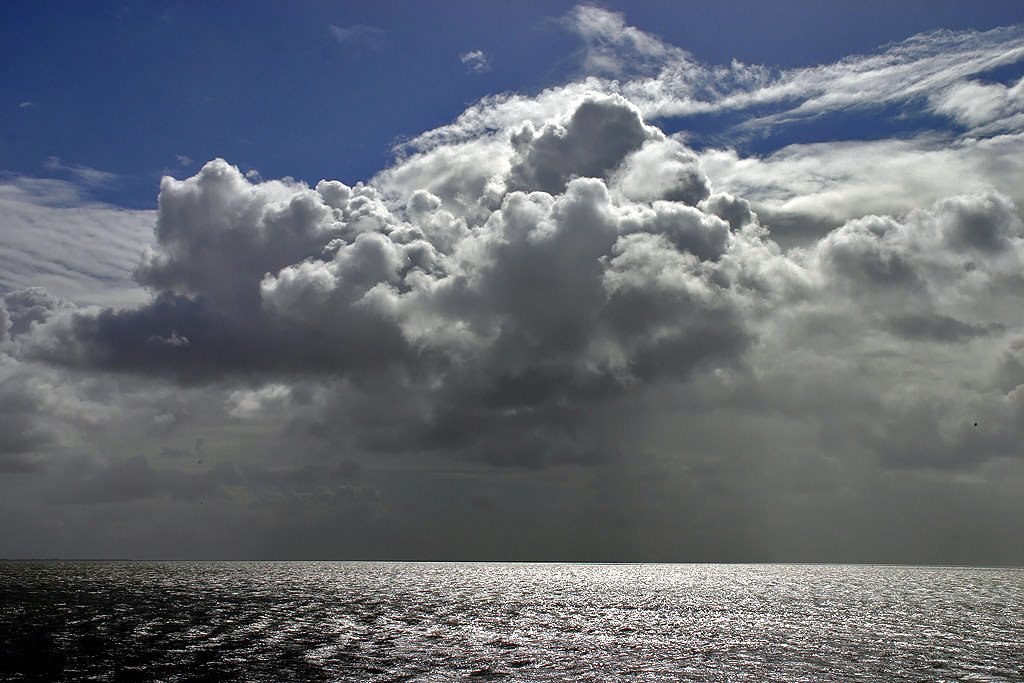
pixel 351 621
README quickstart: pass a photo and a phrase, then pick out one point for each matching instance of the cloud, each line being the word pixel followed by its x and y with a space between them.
pixel 1009 375
pixel 591 263
pixel 254 404
pixel 563 293
pixel 918 66
pixel 24 308
pixel 611 46
pixel 5 320
pixel 557 317
pixel 476 61
pixel 933 65
pixel 961 252
pixel 591 142
pixel 982 106
pixel 74 248
pixel 22 434
pixel 43 410
pixel 86 176
pixel 940 328
pixel 135 479
pixel 804 191
pixel 358 36
pixel 662 169
pixel 938 72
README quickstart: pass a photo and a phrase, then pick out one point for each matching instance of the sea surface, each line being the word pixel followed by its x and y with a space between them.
pixel 386 621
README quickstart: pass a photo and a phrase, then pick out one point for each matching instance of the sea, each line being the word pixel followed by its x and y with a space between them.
pixel 396 621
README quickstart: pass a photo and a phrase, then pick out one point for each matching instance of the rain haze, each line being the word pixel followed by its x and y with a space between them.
pixel 686 282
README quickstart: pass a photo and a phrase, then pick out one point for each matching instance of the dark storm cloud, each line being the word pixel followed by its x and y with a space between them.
pixel 135 479
pixel 25 433
pixel 5 320
pixel 930 433
pixel 940 328
pixel 174 452
pixel 1009 373
pixel 304 476
pixel 20 432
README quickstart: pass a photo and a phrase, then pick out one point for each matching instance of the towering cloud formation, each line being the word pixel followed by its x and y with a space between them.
pixel 591 272
pixel 594 263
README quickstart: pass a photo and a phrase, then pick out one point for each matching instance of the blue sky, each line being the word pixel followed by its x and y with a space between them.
pixel 667 281
pixel 128 88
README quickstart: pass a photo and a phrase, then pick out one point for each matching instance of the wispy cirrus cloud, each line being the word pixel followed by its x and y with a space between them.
pixel 941 72
pixel 75 248
pixel 84 175
pixel 476 61
pixel 358 36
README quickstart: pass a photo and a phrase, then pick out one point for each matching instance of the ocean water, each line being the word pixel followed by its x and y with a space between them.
pixel 356 621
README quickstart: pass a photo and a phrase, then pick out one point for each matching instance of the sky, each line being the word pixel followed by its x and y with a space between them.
pixel 685 282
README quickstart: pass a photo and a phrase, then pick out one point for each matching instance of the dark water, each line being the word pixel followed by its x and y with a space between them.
pixel 270 621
